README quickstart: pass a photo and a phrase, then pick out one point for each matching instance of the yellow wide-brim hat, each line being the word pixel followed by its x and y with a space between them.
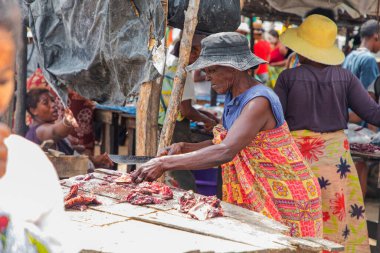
pixel 315 40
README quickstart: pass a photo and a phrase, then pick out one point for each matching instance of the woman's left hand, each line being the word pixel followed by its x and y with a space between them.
pixel 149 171
pixel 102 160
pixel 69 119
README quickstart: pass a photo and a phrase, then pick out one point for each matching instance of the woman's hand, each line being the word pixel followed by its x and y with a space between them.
pixel 69 119
pixel 210 115
pixel 149 171
pixel 173 149
pixel 102 160
pixel 4 133
pixel 209 125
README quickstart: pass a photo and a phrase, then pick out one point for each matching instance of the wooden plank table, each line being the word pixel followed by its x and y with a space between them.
pixel 122 227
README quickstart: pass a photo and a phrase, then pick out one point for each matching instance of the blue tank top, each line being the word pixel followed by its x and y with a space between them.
pixel 234 106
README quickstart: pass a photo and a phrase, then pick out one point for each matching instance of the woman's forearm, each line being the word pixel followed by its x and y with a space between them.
pixel 61 130
pixel 190 147
pixel 208 157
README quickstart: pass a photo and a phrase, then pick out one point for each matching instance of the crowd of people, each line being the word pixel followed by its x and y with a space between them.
pixel 280 143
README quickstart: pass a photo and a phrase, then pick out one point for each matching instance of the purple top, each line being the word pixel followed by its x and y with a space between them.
pixel 61 145
pixel 318 99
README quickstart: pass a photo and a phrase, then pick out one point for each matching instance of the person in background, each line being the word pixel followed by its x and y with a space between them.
pixel 262 49
pixel 277 57
pixel 262 167
pixel 82 138
pixel 361 62
pixel 243 29
pixel 316 97
pixel 46 126
pixel 30 194
pixel 187 113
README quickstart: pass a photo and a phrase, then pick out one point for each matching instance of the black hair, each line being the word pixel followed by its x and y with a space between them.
pixel 274 33
pixel 33 97
pixel 10 19
pixel 328 13
pixel 369 28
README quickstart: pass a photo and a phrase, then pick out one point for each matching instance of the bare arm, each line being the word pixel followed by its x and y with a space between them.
pixel 278 63
pixel 362 103
pixel 239 136
pixel 198 77
pixel 58 130
pixel 189 112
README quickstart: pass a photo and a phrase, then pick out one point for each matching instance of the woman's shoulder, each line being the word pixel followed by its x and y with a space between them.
pixel 261 90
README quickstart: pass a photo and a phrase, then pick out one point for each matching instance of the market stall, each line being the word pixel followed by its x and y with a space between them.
pixel 163 228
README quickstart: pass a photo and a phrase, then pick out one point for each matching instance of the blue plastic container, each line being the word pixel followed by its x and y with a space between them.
pixel 206 181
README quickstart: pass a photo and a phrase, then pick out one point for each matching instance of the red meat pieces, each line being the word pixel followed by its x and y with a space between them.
pixel 137 198
pixel 124 179
pixel 75 201
pixel 187 201
pixel 202 208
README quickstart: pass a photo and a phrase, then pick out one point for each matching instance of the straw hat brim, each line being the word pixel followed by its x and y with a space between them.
pixel 328 56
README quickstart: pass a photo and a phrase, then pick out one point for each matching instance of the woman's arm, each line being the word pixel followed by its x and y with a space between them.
pixel 183 147
pixel 362 103
pixel 198 77
pixel 239 136
pixel 189 112
pixel 278 63
pixel 58 130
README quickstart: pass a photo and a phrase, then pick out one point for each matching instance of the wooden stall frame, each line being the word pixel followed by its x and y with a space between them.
pixel 147 110
pixel 191 21
pixel 21 65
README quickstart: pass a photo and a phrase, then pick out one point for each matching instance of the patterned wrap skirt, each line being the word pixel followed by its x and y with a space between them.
pixel 270 176
pixel 328 155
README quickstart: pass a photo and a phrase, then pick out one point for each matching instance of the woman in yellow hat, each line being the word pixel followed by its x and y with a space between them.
pixel 315 97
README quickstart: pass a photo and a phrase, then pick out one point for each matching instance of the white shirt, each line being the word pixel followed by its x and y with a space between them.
pixel 189 89
pixel 30 192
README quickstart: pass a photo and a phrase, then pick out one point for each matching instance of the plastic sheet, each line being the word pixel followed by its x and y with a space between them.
pixel 213 16
pixel 100 49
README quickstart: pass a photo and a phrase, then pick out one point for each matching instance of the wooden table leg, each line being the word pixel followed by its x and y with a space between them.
pixel 114 136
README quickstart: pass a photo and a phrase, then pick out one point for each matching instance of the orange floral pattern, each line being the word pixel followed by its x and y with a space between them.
pixel 269 176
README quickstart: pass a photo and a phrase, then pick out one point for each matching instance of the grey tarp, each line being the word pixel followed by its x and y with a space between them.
pixel 98 48
pixel 355 8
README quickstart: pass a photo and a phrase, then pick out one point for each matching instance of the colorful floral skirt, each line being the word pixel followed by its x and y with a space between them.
pixel 343 209
pixel 269 176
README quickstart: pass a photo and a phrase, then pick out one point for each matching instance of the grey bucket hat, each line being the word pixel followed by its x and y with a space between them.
pixel 228 49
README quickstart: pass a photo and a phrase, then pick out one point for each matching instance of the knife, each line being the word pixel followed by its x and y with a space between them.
pixel 130 159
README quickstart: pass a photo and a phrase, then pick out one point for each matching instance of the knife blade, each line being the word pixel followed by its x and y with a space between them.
pixel 130 159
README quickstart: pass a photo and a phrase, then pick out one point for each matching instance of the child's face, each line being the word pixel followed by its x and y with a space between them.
pixel 7 53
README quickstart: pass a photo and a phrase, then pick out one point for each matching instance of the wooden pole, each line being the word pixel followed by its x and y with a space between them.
pixel 191 21
pixel 147 110
pixel 21 61
pixel 147 119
